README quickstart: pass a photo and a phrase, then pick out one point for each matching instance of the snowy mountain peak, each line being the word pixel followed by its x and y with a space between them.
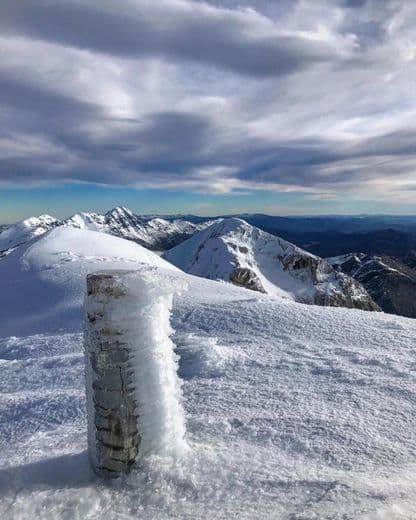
pixel 154 233
pixel 233 250
pixel 236 232
pixel 232 226
pixel 23 231
pixel 83 220
pixel 120 212
pixel 41 220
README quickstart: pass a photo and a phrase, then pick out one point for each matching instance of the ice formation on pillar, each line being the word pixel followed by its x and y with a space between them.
pixel 146 313
pixel 129 315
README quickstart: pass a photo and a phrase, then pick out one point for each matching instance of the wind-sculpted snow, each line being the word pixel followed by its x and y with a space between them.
pixel 292 412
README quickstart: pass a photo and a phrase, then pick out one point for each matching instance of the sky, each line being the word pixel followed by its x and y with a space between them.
pixel 208 107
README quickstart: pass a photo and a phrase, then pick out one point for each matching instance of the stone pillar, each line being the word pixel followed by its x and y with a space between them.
pixel 112 421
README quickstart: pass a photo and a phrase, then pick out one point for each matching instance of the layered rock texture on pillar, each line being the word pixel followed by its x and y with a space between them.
pixel 114 438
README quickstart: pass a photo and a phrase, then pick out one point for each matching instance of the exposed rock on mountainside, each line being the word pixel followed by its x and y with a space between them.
pixel 390 283
pixel 246 278
pixel 410 260
pixel 151 232
pixel 233 250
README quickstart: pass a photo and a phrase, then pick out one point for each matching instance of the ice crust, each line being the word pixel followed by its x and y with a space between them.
pixel 144 315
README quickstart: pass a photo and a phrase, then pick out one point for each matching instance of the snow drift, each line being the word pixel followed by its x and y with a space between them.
pixel 233 250
pixel 43 282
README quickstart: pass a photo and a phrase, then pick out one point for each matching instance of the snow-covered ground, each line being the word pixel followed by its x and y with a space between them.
pixel 292 412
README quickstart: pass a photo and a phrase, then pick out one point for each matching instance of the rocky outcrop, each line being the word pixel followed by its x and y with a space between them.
pixel 390 283
pixel 410 260
pixel 306 267
pixel 112 418
pixel 351 293
pixel 246 278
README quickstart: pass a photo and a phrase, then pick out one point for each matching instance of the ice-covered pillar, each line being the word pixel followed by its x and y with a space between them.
pixel 133 391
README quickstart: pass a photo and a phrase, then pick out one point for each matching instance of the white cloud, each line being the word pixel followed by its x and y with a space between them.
pixel 295 96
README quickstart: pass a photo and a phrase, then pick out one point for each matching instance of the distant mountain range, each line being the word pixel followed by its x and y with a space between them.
pixel 385 264
pixel 323 236
pixel 388 241
pixel 154 233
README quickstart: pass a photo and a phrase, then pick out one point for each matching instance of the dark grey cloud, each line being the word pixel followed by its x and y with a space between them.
pixel 146 94
pixel 84 144
pixel 370 20
pixel 231 40
pixel 33 100
pixel 305 163
pixel 354 3
pixel 174 147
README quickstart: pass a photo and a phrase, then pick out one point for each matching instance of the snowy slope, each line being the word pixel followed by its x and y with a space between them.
pixel 233 250
pixel 43 281
pixel 292 411
pixel 23 231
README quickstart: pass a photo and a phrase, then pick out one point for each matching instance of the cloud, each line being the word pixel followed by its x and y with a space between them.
pixel 240 40
pixel 312 97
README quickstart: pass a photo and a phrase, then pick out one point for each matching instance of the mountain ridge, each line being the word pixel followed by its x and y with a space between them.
pixel 154 233
pixel 232 250
pixel 390 283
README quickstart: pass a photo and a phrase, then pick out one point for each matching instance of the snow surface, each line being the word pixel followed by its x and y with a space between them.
pixel 292 412
pixel 43 281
